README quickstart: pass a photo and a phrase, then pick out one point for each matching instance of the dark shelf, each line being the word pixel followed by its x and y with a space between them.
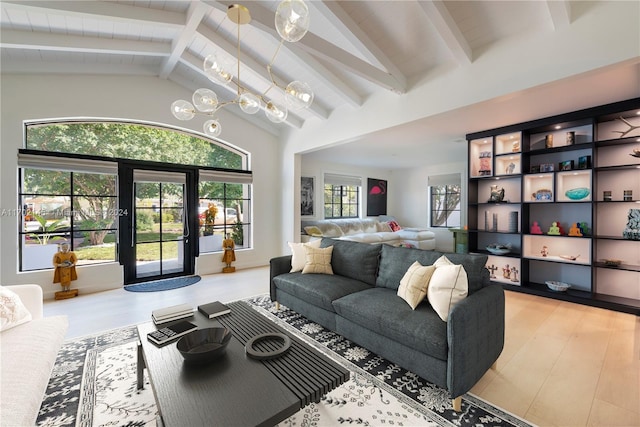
pixel 616 141
pixel 617 168
pixel 485 252
pixel 615 238
pixel 625 305
pixel 493 232
pixel 623 267
pixel 561 149
pixel 585 123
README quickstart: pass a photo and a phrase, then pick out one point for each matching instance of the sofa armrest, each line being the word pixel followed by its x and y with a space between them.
pixel 278 266
pixel 475 334
pixel 31 297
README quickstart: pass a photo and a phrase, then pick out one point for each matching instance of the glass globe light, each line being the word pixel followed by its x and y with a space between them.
pixel 292 20
pixel 182 110
pixel 216 68
pixel 212 128
pixel 205 100
pixel 249 103
pixel 298 95
pixel 276 113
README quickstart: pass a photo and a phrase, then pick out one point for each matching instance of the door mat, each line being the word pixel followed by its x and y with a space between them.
pixel 163 285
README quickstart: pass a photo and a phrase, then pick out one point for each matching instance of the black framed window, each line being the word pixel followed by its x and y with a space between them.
pixel 445 205
pixel 341 201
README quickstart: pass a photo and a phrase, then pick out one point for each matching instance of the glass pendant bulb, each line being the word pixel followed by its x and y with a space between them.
pixel 182 110
pixel 249 103
pixel 216 68
pixel 275 112
pixel 205 100
pixel 298 95
pixel 212 128
pixel 292 20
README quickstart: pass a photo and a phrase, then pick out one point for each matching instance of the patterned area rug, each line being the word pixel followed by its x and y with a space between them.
pixel 163 284
pixel 94 384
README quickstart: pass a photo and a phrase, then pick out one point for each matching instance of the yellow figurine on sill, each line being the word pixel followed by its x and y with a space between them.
pixel 229 255
pixel 64 262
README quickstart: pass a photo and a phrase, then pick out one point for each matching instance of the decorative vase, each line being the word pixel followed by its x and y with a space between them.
pixel 632 232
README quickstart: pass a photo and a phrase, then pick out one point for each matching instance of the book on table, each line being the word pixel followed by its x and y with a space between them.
pixel 170 333
pixel 214 309
pixel 175 312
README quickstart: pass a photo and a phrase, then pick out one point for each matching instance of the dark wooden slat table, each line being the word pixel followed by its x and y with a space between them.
pixel 236 390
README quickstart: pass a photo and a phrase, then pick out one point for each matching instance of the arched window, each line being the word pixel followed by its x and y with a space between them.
pixel 73 195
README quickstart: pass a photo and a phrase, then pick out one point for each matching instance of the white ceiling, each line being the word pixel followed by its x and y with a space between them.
pixel 354 51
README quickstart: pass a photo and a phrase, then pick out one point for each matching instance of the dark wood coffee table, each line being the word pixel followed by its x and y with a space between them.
pixel 235 389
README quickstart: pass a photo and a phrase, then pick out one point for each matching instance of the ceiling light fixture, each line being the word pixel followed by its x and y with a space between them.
pixel 292 23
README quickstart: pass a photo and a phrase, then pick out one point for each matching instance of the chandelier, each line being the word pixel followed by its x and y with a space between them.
pixel 292 23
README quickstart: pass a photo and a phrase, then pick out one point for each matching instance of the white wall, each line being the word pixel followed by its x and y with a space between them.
pixel 27 97
pixel 413 204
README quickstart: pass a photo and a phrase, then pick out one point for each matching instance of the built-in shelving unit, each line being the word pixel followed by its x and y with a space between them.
pixel 557 192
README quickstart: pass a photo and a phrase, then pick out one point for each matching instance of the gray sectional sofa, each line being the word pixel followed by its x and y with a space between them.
pixel 360 302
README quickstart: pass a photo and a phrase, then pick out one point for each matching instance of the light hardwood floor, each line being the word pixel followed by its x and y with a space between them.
pixel 563 364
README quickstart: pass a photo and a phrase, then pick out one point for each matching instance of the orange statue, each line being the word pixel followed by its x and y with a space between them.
pixel 64 262
pixel 229 255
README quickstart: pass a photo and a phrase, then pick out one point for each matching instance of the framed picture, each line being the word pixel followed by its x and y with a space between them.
pixel 567 165
pixel 535 169
pixel 376 197
pixel 584 162
pixel 307 193
pixel 546 167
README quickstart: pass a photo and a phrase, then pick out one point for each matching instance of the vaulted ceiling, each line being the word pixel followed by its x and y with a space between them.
pixel 354 51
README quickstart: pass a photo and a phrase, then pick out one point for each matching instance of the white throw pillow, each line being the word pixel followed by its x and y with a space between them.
pixel 447 287
pixel 414 283
pixel 318 260
pixel 298 257
pixel 12 310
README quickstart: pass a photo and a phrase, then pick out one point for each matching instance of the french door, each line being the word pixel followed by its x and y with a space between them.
pixel 156 240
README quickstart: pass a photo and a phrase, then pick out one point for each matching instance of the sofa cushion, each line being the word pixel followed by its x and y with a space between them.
pixel 413 286
pixel 394 263
pixel 318 260
pixel 382 311
pixel 317 289
pixel 477 274
pixel 298 255
pixel 354 260
pixel 447 287
pixel 12 311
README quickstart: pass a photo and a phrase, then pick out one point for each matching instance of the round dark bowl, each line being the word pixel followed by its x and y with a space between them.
pixel 203 345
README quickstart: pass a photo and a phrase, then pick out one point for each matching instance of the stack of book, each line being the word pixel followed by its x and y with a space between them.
pixel 175 312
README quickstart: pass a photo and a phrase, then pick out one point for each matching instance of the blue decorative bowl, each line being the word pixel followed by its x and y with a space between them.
pixel 577 193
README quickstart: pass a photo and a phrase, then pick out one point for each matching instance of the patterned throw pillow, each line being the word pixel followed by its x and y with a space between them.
pixel 318 260
pixel 12 310
pixel 298 256
pixel 413 286
pixel 447 287
pixel 394 226
pixel 312 230
pixel 383 226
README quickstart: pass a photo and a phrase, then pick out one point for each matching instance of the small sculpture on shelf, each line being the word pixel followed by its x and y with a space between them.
pixel 515 146
pixel 575 231
pixel 535 228
pixel 497 194
pixel 560 228
pixel 229 255
pixel 485 163
pixel 506 272
pixel 584 228
pixel 545 251
pixel 626 122
pixel 554 230
pixel 510 168
pixel 514 274
pixel 492 271
pixel 632 231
